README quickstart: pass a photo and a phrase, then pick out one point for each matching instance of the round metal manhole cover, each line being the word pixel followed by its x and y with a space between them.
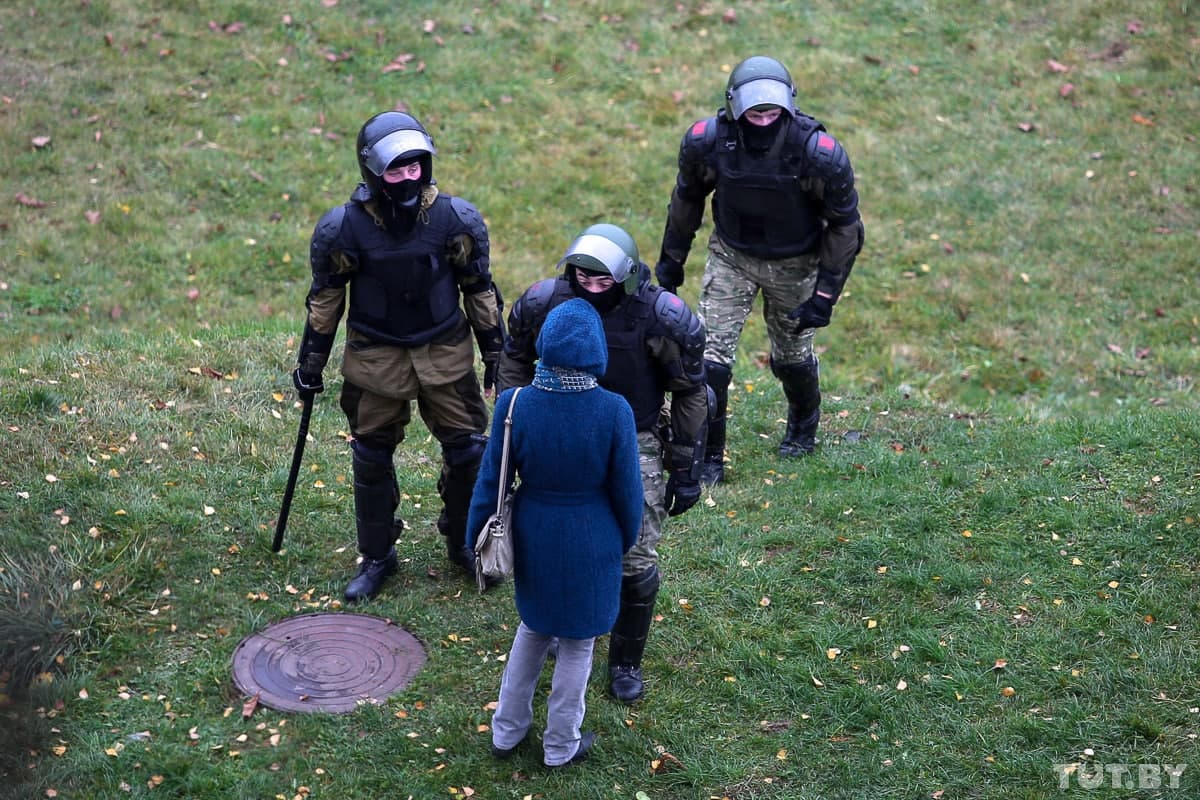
pixel 326 662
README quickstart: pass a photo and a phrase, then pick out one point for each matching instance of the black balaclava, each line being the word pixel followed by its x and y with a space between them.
pixel 759 138
pixel 404 196
pixel 601 301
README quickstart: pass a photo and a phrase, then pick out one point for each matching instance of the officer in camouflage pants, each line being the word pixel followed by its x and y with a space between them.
pixel 786 223
pixel 655 348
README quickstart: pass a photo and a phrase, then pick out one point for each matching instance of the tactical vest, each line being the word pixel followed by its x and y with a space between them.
pixel 630 373
pixel 759 206
pixel 403 293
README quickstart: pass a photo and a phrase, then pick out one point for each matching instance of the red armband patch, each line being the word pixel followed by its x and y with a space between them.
pixel 824 141
pixel 699 128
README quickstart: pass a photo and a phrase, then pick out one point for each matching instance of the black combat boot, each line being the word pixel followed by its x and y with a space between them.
pixel 372 572
pixel 712 471
pixel 376 497
pixel 801 386
pixel 627 642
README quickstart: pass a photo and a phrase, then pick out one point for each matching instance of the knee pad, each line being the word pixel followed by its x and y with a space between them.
pixel 371 465
pixel 641 587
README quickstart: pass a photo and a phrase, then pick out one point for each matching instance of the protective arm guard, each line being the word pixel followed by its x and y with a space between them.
pixel 469 252
pixel 843 237
pixel 469 249
pixel 490 339
pixel 520 345
pixel 314 350
pixel 678 342
pixel 693 183
pixel 332 266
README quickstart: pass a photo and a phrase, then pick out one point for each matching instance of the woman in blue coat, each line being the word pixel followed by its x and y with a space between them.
pixel 577 509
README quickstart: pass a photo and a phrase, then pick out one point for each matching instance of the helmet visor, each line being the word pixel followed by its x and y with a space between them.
pixel 394 145
pixel 760 92
pixel 598 254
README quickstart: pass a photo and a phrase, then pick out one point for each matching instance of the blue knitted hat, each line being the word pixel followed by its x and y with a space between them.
pixel 573 337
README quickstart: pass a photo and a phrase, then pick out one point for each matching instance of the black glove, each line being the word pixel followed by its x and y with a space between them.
pixel 812 313
pixel 682 494
pixel 491 364
pixel 669 274
pixel 308 385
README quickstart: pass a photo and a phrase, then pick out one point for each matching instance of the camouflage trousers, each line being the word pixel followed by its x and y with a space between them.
pixel 644 554
pixel 731 281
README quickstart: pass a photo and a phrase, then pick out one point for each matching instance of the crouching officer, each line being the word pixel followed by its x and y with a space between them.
pixel 655 347
pixel 410 268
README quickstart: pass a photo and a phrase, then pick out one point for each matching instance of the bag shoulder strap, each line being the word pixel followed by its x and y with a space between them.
pixel 508 419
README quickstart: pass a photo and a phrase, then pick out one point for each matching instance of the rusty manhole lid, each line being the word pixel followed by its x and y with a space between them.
pixel 326 662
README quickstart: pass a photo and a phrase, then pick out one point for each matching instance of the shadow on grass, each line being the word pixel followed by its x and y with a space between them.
pixel 34 638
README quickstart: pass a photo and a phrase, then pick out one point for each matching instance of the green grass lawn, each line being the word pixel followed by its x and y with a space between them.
pixel 983 585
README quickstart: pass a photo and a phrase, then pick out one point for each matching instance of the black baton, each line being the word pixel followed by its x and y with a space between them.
pixel 297 457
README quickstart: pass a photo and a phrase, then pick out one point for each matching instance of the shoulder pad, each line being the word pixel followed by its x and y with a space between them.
pixel 467 213
pixel 330 224
pixel 701 136
pixel 677 320
pixel 470 217
pixel 825 156
pixel 325 239
pixel 533 305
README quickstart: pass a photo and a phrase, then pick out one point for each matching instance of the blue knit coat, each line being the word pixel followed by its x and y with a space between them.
pixel 578 507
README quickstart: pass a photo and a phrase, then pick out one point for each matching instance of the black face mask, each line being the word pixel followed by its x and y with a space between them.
pixel 403 195
pixel 601 301
pixel 759 138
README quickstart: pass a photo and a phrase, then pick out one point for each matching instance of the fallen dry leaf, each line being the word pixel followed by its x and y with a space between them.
pixel 27 201
pixel 665 763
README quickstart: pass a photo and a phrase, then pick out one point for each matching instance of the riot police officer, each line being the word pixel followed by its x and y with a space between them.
pixel 409 267
pixel 655 347
pixel 785 222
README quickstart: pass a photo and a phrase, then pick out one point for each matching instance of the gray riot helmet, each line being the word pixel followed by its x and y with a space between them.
pixel 393 136
pixel 606 249
pixel 759 81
